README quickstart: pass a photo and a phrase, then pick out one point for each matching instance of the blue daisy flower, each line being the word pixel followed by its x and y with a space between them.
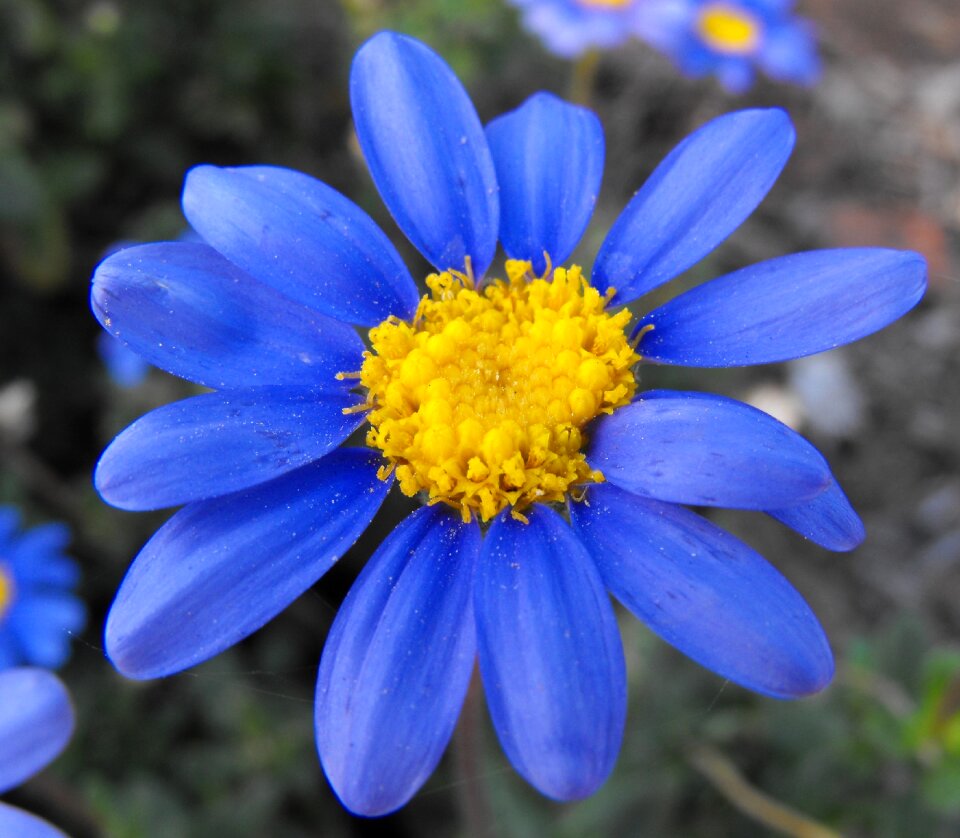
pixel 728 38
pixel 731 38
pixel 36 722
pixel 38 609
pixel 510 406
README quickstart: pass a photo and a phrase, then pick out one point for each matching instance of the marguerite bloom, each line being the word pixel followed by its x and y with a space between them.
pixel 509 405
pixel 36 722
pixel 732 38
pixel 38 609
pixel 728 38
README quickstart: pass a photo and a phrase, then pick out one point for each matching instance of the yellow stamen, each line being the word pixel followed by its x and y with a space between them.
pixel 729 29
pixel 635 340
pixel 481 401
pixel 357 408
pixel 548 270
pixel 7 590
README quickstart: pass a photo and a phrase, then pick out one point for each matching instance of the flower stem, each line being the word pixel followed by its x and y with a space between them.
pixel 468 749
pixel 583 77
pixel 755 804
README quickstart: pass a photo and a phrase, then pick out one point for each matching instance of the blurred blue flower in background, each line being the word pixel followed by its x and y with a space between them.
pixel 570 27
pixel 729 38
pixel 38 609
pixel 126 368
pixel 36 723
pixel 263 312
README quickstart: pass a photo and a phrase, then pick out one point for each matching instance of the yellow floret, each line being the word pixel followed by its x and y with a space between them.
pixel 481 400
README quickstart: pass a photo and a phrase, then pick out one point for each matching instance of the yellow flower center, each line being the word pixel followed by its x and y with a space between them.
pixel 728 29
pixel 7 590
pixel 480 402
pixel 605 4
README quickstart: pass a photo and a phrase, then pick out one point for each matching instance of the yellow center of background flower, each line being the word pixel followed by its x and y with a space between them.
pixel 481 400
pixel 7 590
pixel 728 29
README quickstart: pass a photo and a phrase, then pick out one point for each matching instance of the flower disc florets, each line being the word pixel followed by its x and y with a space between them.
pixel 729 29
pixel 481 400
pixel 7 590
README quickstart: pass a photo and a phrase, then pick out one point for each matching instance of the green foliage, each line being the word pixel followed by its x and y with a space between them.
pixel 106 104
pixel 846 759
pixel 470 33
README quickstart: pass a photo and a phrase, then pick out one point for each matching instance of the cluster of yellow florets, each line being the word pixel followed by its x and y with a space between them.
pixel 6 589
pixel 480 401
pixel 729 29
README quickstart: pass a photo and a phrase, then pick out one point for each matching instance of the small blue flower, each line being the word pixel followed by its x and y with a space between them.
pixel 730 38
pixel 38 610
pixel 126 367
pixel 36 722
pixel 508 406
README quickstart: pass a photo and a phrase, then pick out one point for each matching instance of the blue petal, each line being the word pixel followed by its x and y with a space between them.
pixel 9 522
pixel 397 662
pixel 828 520
pixel 218 570
pixel 10 654
pixel 36 722
pixel 49 570
pixel 550 655
pixel 44 539
pixel 735 74
pixel 785 308
pixel 302 238
pixel 218 443
pixel 37 557
pixel 705 592
pixel 44 623
pixel 426 150
pixel 705 450
pixel 789 53
pixel 549 160
pixel 125 367
pixel 697 196
pixel 189 311
pixel 16 822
